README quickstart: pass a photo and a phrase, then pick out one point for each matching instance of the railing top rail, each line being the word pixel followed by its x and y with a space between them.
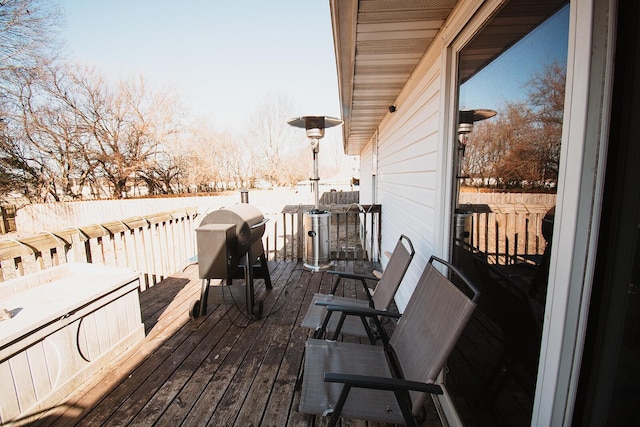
pixel 12 248
pixel 503 208
pixel 345 208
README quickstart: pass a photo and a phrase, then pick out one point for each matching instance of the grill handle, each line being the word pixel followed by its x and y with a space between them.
pixel 260 224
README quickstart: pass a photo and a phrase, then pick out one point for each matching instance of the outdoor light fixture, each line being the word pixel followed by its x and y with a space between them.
pixel 392 109
pixel 316 222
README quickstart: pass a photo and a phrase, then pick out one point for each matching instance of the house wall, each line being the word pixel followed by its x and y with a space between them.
pixel 366 175
pixel 414 156
pixel 414 185
pixel 407 175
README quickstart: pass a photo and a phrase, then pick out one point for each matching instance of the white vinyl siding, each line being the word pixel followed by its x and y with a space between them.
pixel 407 179
pixel 415 147
pixel 366 175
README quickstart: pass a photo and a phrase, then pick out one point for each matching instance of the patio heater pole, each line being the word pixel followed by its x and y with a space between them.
pixel 462 217
pixel 316 222
pixel 316 178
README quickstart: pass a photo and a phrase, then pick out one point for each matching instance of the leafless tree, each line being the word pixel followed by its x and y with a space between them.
pixel 127 124
pixel 28 33
pixel 209 156
pixel 52 132
pixel 73 129
pixel 546 95
pixel 28 41
pixel 276 146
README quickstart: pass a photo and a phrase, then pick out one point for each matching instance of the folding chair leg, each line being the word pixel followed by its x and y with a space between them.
pixel 335 415
pixel 335 285
pixel 311 420
pixel 321 331
pixel 495 382
pixel 298 385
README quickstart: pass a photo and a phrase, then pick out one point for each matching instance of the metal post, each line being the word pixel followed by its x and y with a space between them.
pixel 244 195
pixel 315 178
pixel 248 282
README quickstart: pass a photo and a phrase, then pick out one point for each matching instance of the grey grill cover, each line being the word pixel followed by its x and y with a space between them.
pixel 245 217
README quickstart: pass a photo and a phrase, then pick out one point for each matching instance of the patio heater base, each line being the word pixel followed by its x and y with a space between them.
pixel 317 238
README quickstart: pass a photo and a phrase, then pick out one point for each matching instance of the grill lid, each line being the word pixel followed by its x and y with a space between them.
pixel 249 222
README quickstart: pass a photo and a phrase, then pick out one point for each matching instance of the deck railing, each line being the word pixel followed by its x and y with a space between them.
pixel 355 231
pixel 161 244
pixel 155 245
pixel 505 233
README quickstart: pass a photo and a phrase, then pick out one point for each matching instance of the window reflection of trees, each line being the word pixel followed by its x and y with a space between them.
pixel 520 147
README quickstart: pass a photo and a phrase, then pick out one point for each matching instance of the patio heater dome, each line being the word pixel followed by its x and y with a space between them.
pixel 466 118
pixel 315 125
pixel 316 223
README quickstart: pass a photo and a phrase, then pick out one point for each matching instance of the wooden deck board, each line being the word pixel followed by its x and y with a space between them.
pixel 274 361
pixel 218 369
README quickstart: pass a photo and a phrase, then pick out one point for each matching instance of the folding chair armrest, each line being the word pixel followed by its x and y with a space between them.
pixel 346 275
pixel 381 383
pixel 327 302
pixel 323 303
pixel 361 311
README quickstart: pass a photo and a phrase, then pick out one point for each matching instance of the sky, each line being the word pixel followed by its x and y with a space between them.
pixel 505 78
pixel 223 58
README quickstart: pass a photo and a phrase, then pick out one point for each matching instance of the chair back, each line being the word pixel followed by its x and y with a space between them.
pixel 429 328
pixel 394 272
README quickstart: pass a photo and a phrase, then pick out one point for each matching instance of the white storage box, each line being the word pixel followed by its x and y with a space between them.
pixel 67 322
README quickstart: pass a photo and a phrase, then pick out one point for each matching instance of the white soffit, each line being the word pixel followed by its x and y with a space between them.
pixel 378 44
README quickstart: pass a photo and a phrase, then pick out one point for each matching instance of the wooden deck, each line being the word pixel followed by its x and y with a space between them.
pixel 219 369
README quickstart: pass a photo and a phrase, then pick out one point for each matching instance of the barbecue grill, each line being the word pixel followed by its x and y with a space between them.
pixel 229 243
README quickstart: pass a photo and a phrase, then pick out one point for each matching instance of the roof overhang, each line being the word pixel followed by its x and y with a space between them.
pixel 378 44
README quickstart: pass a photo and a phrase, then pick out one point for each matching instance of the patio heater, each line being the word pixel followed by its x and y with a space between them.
pixel 466 119
pixel 316 223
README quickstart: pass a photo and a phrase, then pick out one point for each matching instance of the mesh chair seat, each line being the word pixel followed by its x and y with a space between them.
pixel 319 397
pixel 317 311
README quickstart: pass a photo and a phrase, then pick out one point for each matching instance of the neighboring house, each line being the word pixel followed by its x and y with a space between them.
pixel 412 55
